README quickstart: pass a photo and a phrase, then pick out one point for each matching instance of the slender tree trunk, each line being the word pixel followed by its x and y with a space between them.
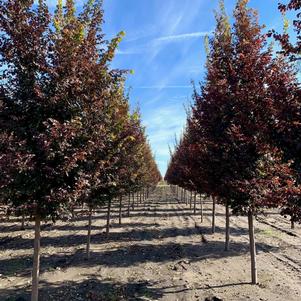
pixel 181 195
pixel 36 260
pixel 23 222
pixel 190 200
pixel 108 218
pixel 120 208
pixel 201 203
pixel 129 204
pixel 227 242
pixel 292 224
pixel 252 248
pixel 213 214
pixel 186 197
pixel 89 234
pixel 194 204
pixel 133 202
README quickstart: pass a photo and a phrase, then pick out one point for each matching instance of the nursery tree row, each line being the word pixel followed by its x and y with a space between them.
pixel 67 136
pixel 241 144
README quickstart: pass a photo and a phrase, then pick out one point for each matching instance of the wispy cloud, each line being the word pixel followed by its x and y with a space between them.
pixel 160 87
pixel 184 36
pixel 162 124
pixel 156 44
pixel 128 51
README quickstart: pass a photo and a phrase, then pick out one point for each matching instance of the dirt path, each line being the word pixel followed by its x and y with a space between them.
pixel 161 252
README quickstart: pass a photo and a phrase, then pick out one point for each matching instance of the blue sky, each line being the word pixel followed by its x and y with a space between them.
pixel 164 45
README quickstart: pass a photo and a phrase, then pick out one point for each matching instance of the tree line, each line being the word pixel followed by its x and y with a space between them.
pixel 241 144
pixel 67 135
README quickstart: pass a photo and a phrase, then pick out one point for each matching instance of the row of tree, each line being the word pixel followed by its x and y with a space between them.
pixel 67 136
pixel 241 144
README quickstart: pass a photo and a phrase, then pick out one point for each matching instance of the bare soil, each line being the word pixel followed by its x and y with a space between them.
pixel 161 252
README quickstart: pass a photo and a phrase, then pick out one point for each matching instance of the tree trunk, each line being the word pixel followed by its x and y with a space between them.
pixel 120 208
pixel 252 248
pixel 36 260
pixel 190 200
pixel 213 214
pixel 89 234
pixel 23 222
pixel 133 202
pixel 194 204
pixel 292 224
pixel 129 204
pixel 201 203
pixel 227 227
pixel 108 218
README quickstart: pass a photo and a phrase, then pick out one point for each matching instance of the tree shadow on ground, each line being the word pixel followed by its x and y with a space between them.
pixel 75 239
pixel 91 289
pixel 139 232
pixel 129 256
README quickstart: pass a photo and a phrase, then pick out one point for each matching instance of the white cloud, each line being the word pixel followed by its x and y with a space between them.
pixel 184 36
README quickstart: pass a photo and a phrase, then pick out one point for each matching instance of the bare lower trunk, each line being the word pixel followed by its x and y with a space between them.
pixel 213 214
pixel 190 200
pixel 108 218
pixel 252 248
pixel 194 204
pixel 23 222
pixel 120 208
pixel 129 204
pixel 36 260
pixel 201 204
pixel 186 197
pixel 89 234
pixel 133 201
pixel 292 224
pixel 227 227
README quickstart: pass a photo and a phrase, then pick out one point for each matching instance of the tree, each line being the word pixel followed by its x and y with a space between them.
pixel 58 103
pixel 236 121
pixel 290 49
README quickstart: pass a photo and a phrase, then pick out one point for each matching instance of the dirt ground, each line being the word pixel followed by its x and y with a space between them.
pixel 161 252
